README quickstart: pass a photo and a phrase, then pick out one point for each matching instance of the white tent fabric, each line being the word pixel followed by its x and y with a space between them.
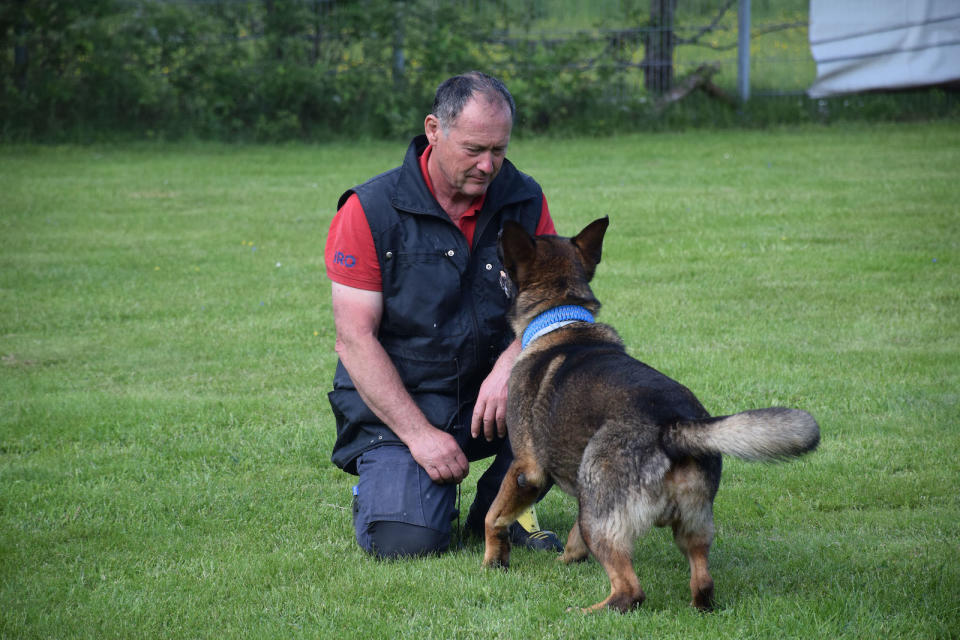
pixel 862 45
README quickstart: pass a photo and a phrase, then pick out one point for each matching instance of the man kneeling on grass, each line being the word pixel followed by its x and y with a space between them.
pixel 422 336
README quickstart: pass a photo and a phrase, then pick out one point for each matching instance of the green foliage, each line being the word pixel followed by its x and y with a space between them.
pixel 270 70
pixel 166 342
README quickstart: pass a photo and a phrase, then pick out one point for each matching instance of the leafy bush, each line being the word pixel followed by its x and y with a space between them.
pixel 315 69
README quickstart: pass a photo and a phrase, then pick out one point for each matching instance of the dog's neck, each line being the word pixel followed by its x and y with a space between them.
pixel 553 319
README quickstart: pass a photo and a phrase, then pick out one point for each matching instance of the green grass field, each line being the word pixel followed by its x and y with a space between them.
pixel 167 345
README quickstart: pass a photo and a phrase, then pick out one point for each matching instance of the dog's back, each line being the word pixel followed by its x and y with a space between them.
pixel 586 381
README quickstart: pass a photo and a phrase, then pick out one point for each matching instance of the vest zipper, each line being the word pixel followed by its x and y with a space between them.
pixel 450 255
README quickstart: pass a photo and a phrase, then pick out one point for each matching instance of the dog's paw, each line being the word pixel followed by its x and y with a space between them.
pixel 494 558
pixel 571 558
pixel 588 610
pixel 703 597
pixel 496 563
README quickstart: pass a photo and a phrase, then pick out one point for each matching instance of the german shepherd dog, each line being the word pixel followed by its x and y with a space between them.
pixel 636 448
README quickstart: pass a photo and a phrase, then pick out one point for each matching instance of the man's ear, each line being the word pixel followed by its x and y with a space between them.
pixel 431 127
pixel 516 250
pixel 589 243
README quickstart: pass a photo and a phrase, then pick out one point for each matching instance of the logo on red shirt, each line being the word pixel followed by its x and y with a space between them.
pixel 346 260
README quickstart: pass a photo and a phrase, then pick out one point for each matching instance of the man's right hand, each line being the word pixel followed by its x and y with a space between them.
pixel 356 314
pixel 439 454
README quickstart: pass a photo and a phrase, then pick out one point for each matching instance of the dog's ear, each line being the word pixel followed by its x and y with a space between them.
pixel 590 244
pixel 516 250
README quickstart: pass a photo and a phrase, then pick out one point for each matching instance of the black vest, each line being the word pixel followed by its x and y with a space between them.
pixel 444 311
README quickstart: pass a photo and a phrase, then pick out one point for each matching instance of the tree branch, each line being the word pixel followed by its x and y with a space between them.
pixel 710 27
pixel 699 79
pixel 756 33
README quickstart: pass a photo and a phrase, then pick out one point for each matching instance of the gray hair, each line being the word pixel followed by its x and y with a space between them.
pixel 454 93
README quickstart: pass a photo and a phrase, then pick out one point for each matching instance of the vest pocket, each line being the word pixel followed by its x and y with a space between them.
pixel 422 294
pixel 436 372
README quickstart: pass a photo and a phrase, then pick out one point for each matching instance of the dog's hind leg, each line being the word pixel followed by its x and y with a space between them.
pixel 621 498
pixel 611 519
pixel 693 534
pixel 575 549
pixel 696 546
pixel 520 488
pixel 615 553
pixel 693 528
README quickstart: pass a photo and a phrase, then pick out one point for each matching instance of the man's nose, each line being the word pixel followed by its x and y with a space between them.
pixel 485 162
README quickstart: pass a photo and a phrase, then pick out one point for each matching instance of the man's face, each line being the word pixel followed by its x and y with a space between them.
pixel 469 154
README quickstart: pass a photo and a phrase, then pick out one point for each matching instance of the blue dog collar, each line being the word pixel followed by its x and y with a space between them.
pixel 552 319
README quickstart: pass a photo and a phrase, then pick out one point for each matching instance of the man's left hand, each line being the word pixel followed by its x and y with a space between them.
pixel 490 411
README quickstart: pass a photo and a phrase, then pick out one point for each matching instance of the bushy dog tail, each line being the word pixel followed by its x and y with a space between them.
pixel 760 434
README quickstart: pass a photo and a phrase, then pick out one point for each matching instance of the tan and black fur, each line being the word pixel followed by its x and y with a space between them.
pixel 636 448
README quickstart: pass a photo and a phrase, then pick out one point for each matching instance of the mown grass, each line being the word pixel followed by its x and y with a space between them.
pixel 166 347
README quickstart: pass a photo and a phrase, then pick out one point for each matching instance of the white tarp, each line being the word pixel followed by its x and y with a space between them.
pixel 862 45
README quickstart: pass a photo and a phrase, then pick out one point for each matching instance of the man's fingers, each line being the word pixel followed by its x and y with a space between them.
pixel 490 427
pixel 451 473
pixel 441 457
pixel 440 474
pixel 484 421
pixel 502 422
pixel 460 468
pixel 476 420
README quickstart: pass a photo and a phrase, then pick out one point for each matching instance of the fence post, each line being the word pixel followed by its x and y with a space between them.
pixel 743 49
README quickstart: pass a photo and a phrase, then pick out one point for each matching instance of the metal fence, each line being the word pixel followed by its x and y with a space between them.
pixel 308 68
pixel 750 48
pixel 652 43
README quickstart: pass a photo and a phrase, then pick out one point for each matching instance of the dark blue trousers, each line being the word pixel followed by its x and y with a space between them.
pixel 398 511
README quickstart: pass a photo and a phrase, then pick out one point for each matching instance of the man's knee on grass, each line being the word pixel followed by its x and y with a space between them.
pixel 392 540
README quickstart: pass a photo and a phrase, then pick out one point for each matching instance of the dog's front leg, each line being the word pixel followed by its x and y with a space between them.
pixel 520 488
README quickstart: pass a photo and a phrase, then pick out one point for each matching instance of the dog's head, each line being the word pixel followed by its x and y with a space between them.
pixel 547 271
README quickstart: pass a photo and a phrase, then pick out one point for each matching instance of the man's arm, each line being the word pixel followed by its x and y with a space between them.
pixel 490 410
pixel 356 315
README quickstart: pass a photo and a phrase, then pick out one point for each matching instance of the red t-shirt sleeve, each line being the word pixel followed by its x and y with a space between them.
pixel 350 255
pixel 545 225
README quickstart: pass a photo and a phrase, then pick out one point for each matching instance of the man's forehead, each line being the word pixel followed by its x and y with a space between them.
pixel 484 120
